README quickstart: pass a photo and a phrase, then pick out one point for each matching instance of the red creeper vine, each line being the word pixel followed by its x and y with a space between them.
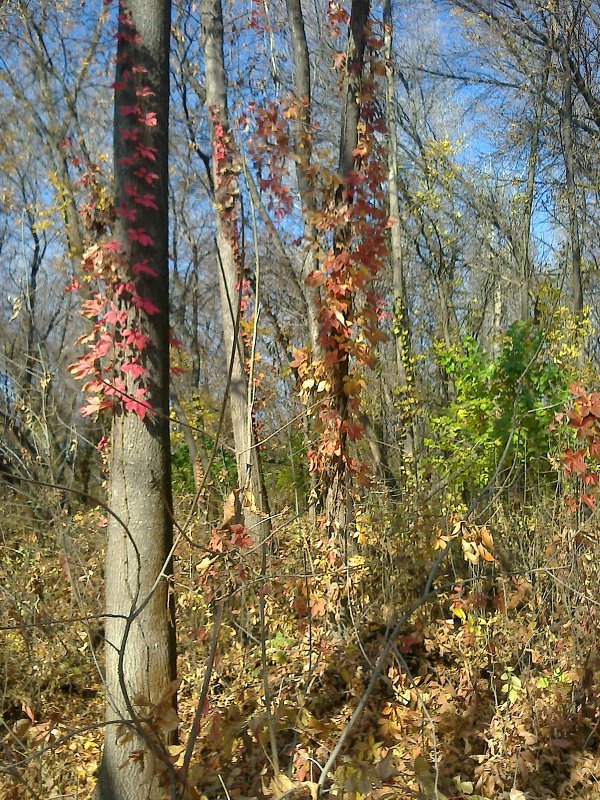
pixel 352 214
pixel 583 463
pixel 112 367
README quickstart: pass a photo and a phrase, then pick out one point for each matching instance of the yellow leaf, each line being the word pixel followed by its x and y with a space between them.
pixel 279 786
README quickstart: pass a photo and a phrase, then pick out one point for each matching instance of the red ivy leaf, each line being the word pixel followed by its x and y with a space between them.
pixel 594 449
pixel 148 119
pixel 73 285
pixel 115 315
pixel 146 175
pixel 574 462
pixel 146 200
pixel 103 345
pixel 147 152
pixel 140 235
pixel 588 500
pixel 102 444
pixel 114 245
pixel 134 337
pixel 143 268
pixel 94 405
pixel 146 304
pixel 136 403
pixel 133 368
pixel 126 213
pixel 129 111
pixel 316 278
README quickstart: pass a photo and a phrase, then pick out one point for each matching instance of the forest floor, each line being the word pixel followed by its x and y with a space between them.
pixel 491 690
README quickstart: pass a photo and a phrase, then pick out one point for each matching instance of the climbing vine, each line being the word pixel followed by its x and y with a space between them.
pixel 112 366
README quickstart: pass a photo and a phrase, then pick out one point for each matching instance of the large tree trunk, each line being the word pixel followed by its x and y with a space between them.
pixel 231 268
pixel 140 628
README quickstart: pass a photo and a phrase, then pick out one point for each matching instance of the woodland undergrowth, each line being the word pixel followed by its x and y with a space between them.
pixel 491 689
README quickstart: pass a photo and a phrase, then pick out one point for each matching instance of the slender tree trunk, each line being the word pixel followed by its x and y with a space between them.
pixel 402 332
pixel 231 267
pixel 303 146
pixel 338 503
pixel 140 627
pixel 525 237
pixel 571 190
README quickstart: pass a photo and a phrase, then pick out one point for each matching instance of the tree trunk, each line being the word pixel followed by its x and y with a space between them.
pixel 338 503
pixel 140 626
pixel 303 147
pixel 231 268
pixel 524 249
pixel 566 118
pixel 402 333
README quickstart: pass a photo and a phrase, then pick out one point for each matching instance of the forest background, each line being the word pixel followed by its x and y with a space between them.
pixel 304 390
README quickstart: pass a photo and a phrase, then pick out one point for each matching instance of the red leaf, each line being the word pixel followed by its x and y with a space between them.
pixel 147 152
pixel 146 175
pixel 146 304
pixel 134 337
pixel 73 285
pixel 594 449
pixel 84 366
pixel 143 268
pixel 103 345
pixel 92 308
pixel 148 119
pixel 133 368
pixel 588 500
pixel 574 462
pixel 140 235
pixel 126 213
pixel 128 135
pixel 129 111
pixel 136 403
pixel 114 245
pixel 94 405
pixel 115 315
pixel 147 200
pixel 121 288
pixel 316 278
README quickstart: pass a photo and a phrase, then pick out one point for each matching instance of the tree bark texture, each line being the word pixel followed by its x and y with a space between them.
pixel 230 257
pixel 140 626
pixel 571 189
pixel 338 503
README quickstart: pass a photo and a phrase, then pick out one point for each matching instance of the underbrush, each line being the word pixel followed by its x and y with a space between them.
pixel 490 689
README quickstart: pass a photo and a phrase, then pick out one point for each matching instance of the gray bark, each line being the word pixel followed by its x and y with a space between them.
pixel 303 144
pixel 230 265
pixel 525 254
pixel 140 628
pixel 566 118
pixel 402 332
